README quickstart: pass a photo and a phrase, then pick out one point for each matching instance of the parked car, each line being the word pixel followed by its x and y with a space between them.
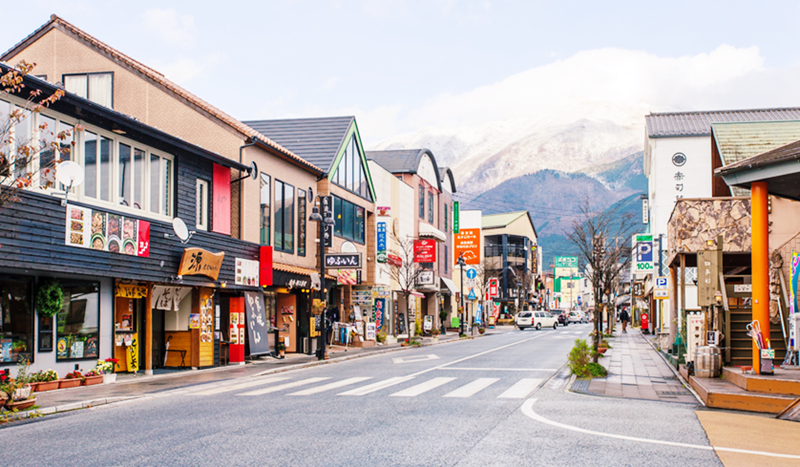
pixel 561 316
pixel 536 319
pixel 577 317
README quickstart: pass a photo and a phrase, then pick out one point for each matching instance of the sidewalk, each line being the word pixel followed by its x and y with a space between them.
pixel 637 371
pixel 132 386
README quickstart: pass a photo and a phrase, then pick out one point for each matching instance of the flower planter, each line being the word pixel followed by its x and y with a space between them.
pixel 47 386
pixel 34 387
pixel 109 378
pixel 22 393
pixel 92 380
pixel 21 405
pixel 602 349
pixel 69 383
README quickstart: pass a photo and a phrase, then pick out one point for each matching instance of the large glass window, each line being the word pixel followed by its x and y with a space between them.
pixel 284 217
pixel 97 87
pixel 446 225
pixel 430 208
pixel 302 221
pixel 201 205
pixel 16 320
pixel 78 335
pixel 421 202
pixel 350 173
pixel 266 214
pixel 350 220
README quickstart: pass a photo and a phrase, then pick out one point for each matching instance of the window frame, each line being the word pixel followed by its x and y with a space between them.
pixel 283 214
pixel 202 205
pixel 346 171
pixel 430 207
pixel 75 284
pixel 268 234
pixel 30 300
pixel 422 202
pixel 64 81
pixel 340 218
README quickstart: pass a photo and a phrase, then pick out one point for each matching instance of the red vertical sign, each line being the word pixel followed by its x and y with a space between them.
pixel 222 200
pixel 265 266
pixel 236 330
pixel 143 240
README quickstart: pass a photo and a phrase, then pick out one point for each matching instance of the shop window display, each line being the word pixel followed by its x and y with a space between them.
pixel 16 321
pixel 78 328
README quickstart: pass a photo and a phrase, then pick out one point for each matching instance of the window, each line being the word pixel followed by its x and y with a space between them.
pixel 53 149
pixel 349 220
pixel 421 202
pixel 284 217
pixel 79 321
pixel 302 221
pixel 446 262
pixel 16 320
pixel 430 208
pixel 97 87
pixel 350 172
pixel 266 214
pixel 446 225
pixel 201 206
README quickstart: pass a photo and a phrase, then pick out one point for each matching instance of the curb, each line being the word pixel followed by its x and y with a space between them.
pixel 676 372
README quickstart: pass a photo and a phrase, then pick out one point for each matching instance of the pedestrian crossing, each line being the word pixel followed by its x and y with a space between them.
pixel 454 387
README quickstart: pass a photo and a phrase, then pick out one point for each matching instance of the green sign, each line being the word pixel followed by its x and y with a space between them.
pixel 455 217
pixel 566 261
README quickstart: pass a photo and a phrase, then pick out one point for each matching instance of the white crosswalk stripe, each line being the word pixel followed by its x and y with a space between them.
pixel 472 388
pixel 370 388
pixel 235 387
pixel 281 387
pixel 423 387
pixel 521 389
pixel 329 386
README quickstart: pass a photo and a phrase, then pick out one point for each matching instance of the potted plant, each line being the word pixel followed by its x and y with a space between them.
pixel 17 394
pixel 47 380
pixel 17 347
pixel 281 349
pixel 481 329
pixel 71 380
pixel 107 368
pixel 92 377
pixel 435 333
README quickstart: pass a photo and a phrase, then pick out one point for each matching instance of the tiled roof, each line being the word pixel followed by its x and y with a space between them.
pixel 494 221
pixel 158 78
pixel 316 140
pixel 664 125
pixel 789 151
pixel 444 174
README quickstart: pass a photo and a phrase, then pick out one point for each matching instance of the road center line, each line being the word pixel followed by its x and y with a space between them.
pixel 527 409
pixel 476 355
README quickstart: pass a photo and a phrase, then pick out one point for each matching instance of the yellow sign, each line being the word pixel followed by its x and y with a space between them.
pixel 197 261
pixel 130 291
pixel 132 355
pixel 312 327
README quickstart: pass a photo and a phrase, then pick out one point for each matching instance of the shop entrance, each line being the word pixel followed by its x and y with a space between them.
pixel 129 324
pixel 159 337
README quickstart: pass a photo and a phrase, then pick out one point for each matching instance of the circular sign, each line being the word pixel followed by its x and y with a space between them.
pixel 679 159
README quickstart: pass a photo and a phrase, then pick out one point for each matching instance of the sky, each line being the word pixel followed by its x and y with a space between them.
pixel 399 66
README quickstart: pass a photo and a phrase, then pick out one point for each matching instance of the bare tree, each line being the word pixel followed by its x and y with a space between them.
pixel 405 272
pixel 603 239
pixel 26 160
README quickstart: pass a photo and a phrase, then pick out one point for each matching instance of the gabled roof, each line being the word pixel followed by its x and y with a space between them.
pixel 316 140
pixel 496 221
pixel 778 167
pixel 787 152
pixel 672 124
pixel 404 161
pixel 159 79
pixel 444 174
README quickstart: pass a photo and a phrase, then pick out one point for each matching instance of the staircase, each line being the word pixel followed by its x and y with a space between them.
pixel 741 345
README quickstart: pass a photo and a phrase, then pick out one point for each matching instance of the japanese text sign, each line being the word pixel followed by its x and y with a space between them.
pixel 468 243
pixel 424 251
pixel 343 260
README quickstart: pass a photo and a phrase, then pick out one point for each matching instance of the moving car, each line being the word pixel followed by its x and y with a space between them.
pixel 576 317
pixel 535 319
pixel 561 316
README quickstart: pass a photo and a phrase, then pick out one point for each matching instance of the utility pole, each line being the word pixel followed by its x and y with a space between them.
pixel 461 264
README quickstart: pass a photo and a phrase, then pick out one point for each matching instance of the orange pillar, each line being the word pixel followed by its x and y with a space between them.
pixel 760 261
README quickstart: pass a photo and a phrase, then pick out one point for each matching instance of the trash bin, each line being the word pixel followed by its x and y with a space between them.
pixel 645 323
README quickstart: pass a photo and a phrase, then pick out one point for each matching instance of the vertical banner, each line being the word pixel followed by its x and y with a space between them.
pixel 222 200
pixel 143 240
pixel 236 338
pixel 380 309
pixel 327 211
pixel 265 266
pixel 382 255
pixel 456 216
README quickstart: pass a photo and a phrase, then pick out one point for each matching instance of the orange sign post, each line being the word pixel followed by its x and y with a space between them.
pixel 468 242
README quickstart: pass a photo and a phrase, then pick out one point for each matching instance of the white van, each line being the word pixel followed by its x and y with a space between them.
pixel 536 319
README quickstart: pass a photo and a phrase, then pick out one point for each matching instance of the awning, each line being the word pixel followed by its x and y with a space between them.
pixel 429 231
pixel 417 294
pixel 449 285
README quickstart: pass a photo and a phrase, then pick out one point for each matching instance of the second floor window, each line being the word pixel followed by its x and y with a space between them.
pixel 349 220
pixel 446 225
pixel 430 208
pixel 421 202
pixel 284 217
pixel 97 87
pixel 266 214
pixel 201 216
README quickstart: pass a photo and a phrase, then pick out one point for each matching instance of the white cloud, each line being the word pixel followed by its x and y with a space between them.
pixel 173 28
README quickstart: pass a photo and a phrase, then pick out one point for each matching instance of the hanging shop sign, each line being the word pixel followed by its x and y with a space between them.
pixel 425 278
pixel 467 244
pixel 265 266
pixel 256 323
pixel 381 247
pixel 660 288
pixel 346 277
pixel 638 289
pixel 99 230
pixel 169 298
pixel 247 272
pixel 221 200
pixel 343 260
pixel 130 290
pixel 707 276
pixel 316 284
pixel 197 261
pixel 494 287
pixel 394 260
pixel 456 218
pixel 643 254
pixel 383 211
pixel 425 251
pixel 327 211
pixel 380 312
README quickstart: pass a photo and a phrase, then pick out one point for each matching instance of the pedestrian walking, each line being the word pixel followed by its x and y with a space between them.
pixel 624 317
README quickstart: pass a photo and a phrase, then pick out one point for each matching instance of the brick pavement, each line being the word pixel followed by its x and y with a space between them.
pixel 636 371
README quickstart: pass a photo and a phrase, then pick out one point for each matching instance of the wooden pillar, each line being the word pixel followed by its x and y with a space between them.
pixel 760 261
pixel 148 331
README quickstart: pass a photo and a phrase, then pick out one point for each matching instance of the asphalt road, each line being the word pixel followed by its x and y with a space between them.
pixel 493 401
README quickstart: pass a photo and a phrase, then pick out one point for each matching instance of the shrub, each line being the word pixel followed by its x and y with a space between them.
pixel 380 337
pixel 597 370
pixel 417 329
pixel 579 358
pixel 435 331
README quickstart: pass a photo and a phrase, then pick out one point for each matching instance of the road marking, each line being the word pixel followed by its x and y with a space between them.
pixel 520 389
pixel 500 369
pixel 476 355
pixel 370 388
pixel 329 386
pixel 234 387
pixel 422 387
pixel 281 387
pixel 414 359
pixel 527 409
pixel 472 388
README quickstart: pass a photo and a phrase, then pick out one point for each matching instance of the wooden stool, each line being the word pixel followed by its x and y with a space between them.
pixel 223 349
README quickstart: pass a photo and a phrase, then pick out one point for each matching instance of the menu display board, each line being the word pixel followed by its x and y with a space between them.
pixel 257 323
pixel 206 320
pixel 247 272
pixel 99 230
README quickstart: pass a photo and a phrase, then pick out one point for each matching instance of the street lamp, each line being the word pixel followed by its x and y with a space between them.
pixel 316 217
pixel 461 264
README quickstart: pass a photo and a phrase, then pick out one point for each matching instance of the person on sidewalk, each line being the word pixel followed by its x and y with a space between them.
pixel 624 317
